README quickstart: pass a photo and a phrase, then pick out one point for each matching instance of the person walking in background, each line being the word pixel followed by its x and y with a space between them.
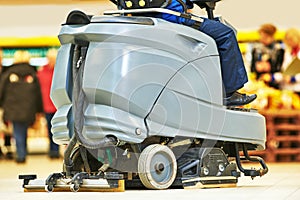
pixel 5 128
pixel 267 57
pixel 45 74
pixel 20 98
pixel 292 42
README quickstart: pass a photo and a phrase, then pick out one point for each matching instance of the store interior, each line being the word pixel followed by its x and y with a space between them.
pixel 34 25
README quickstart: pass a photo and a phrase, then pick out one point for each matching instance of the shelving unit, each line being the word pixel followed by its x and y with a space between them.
pixel 283 135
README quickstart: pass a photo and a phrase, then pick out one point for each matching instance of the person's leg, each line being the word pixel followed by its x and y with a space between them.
pixel 234 74
pixel 233 70
pixel 1 153
pixel 7 145
pixel 232 66
pixel 53 148
pixel 20 135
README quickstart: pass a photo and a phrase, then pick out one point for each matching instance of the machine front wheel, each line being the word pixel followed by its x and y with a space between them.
pixel 74 187
pixel 49 188
pixel 157 167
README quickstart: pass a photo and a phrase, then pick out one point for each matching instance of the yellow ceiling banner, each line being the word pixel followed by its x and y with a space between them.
pixel 45 41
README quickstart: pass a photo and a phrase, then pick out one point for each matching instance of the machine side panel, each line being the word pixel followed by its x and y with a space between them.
pixel 176 114
pixel 126 68
pixel 62 124
pixel 62 121
pixel 191 105
pixel 127 77
pixel 101 121
pixel 61 78
pixel 184 42
pixel 122 88
pixel 200 79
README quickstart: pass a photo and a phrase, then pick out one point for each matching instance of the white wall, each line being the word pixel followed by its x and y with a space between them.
pixel 40 20
pixel 45 20
pixel 249 14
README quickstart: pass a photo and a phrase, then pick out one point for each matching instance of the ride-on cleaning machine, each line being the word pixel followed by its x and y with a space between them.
pixel 140 104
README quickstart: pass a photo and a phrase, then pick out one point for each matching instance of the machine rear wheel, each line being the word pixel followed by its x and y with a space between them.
pixel 157 167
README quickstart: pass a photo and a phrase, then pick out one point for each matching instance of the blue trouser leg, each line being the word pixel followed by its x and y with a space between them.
pixel 20 135
pixel 53 146
pixel 232 65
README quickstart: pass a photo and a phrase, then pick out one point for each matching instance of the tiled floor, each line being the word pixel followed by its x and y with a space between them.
pixel 282 182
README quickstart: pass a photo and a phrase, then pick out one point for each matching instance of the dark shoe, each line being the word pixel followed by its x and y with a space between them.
pixel 9 156
pixel 54 154
pixel 1 154
pixel 20 160
pixel 238 99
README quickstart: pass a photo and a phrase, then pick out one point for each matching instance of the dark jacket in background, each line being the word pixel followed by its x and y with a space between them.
pixel 275 54
pixel 20 95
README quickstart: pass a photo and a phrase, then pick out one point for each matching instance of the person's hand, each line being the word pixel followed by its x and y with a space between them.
pixel 39 115
pixel 263 66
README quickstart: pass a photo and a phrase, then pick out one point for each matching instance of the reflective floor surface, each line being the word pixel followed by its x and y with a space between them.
pixel 282 182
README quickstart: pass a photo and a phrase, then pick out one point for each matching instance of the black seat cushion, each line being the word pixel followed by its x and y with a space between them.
pixel 78 17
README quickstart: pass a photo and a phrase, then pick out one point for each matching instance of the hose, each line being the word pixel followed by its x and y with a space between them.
pixel 80 103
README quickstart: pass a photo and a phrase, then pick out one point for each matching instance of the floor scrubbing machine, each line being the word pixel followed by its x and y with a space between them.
pixel 140 104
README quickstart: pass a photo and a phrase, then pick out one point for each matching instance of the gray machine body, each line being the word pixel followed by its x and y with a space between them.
pixel 142 80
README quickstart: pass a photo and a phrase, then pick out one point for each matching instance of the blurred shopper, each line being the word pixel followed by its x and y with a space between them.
pixel 45 75
pixel 292 42
pixel 5 128
pixel 267 57
pixel 20 99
